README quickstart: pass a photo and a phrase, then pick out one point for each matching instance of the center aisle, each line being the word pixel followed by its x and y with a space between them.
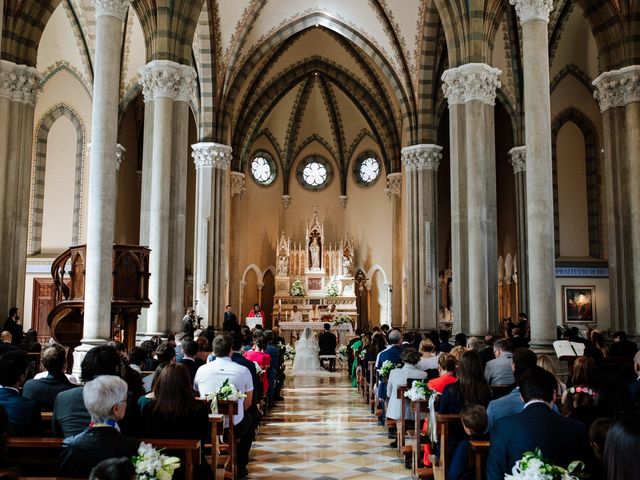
pixel 323 431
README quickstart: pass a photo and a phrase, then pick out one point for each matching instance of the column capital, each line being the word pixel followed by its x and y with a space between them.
pixel 425 156
pixel 111 8
pixel 209 154
pixel 518 159
pixel 164 78
pixel 472 81
pixel 617 88
pixel 394 185
pixel 238 186
pixel 528 10
pixel 19 83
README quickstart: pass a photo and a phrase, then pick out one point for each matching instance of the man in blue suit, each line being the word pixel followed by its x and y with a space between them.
pixel 392 353
pixel 24 415
pixel 561 440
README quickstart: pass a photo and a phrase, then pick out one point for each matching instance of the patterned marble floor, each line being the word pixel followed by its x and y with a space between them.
pixel 323 431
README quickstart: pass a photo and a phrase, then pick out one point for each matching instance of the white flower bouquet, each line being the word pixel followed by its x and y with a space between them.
pixel 341 319
pixel 332 289
pixel 297 289
pixel 533 467
pixel 419 391
pixel 342 353
pixel 150 464
pixel 386 368
pixel 227 392
pixel 363 354
pixel 289 352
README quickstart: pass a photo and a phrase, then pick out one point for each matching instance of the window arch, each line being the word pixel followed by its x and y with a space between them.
pixel 367 169
pixel 262 168
pixel 314 172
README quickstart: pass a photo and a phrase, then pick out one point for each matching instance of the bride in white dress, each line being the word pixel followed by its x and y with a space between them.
pixel 306 360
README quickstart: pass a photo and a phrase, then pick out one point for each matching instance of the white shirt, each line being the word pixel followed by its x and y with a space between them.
pixel 296 316
pixel 211 376
pixel 71 378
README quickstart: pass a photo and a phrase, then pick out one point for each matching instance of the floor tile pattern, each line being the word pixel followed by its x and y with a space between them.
pixel 323 431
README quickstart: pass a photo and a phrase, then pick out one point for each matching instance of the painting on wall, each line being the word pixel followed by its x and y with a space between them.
pixel 579 304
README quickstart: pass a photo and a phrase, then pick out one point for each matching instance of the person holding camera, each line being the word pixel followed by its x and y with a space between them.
pixel 189 322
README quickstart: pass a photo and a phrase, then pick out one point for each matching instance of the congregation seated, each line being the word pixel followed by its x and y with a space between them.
pixel 44 391
pixel 469 387
pixel 517 340
pixel 120 468
pixel 150 362
pixel 23 414
pixel 6 342
pixel 258 355
pixel 203 348
pixel 209 379
pixel 105 399
pixel 622 439
pixel 189 356
pixel 561 440
pixel 474 423
pixel 378 344
pixel 137 358
pixel 545 362
pixel 165 354
pixel 70 416
pixel 399 377
pixel 498 371
pixel 428 357
pixel 486 354
pixel 622 346
pixel 447 365
pixel 275 373
pixel 29 342
pixel 445 346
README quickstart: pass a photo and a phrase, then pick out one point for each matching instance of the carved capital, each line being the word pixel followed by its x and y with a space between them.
pixel 119 156
pixel 111 8
pixel 209 154
pixel 617 88
pixel 342 199
pixel 425 156
pixel 19 83
pixel 164 78
pixel 472 81
pixel 394 185
pixel 238 186
pixel 286 201
pixel 518 159
pixel 533 9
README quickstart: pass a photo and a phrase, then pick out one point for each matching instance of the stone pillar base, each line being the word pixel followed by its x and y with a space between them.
pixel 81 351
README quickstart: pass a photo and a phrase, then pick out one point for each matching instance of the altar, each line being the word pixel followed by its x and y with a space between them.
pixel 312 275
pixel 292 330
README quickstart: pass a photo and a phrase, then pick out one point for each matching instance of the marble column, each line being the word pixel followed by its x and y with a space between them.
pixel 618 94
pixel 470 91
pixel 237 188
pixel 212 161
pixel 518 159
pixel 19 88
pixel 421 165
pixel 110 16
pixel 534 18
pixel 167 86
pixel 394 192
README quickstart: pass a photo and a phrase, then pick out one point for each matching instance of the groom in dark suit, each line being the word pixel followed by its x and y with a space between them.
pixel 327 342
pixel 561 440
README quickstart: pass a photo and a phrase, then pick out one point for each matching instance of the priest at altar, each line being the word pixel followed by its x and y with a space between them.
pixel 296 315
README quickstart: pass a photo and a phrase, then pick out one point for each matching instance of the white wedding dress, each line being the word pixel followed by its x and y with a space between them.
pixel 306 360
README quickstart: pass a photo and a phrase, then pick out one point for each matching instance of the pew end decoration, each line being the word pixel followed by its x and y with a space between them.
pixel 419 391
pixel 226 393
pixel 289 352
pixel 533 467
pixel 386 368
pixel 341 320
pixel 151 464
pixel 342 353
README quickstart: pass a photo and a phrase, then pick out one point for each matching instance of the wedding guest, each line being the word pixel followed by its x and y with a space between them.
pixel 165 354
pixel 470 389
pixel 486 354
pixel 460 340
pixel 447 364
pixel 137 357
pixel 276 369
pixel 598 342
pixel 105 399
pixel 150 363
pixel 584 372
pixel 428 357
pixel 30 342
pixel 237 357
pixel 13 326
pixel 189 357
pixel 328 342
pixel 23 413
pixel 457 351
pixel 474 422
pixel 44 391
pixel 262 358
pixel 445 346
pixel 6 342
pixel 561 440
pixel 114 469
pixel 545 362
pixel 230 322
pixel 622 439
pixel 622 347
pixel 499 371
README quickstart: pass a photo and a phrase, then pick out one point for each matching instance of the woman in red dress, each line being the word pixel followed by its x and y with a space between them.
pixel 258 355
pixel 257 312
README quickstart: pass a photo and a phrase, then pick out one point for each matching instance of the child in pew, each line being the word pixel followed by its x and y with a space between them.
pixel 474 420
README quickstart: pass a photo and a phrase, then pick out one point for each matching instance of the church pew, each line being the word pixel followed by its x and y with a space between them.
pixel 479 449
pixel 219 462
pixel 499 391
pixel 23 450
pixel 419 408
pixel 400 391
pixel 444 422
pixel 372 386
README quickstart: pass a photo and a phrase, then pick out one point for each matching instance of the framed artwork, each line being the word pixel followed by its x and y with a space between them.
pixel 579 304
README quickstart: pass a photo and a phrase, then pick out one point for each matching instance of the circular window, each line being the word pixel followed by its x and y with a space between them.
pixel 263 168
pixel 314 173
pixel 366 169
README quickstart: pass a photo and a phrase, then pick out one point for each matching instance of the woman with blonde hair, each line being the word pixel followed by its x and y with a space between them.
pixel 428 358
pixel 458 351
pixel 545 362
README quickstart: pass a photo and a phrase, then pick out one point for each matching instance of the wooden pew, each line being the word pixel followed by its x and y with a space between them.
pixel 400 391
pixel 444 422
pixel 499 391
pixel 371 391
pixel 417 472
pixel 219 462
pixel 480 450
pixel 47 452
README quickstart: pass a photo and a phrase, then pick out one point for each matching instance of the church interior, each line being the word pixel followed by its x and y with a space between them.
pixel 449 166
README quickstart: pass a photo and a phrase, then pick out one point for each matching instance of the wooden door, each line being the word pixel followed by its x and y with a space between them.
pixel 41 306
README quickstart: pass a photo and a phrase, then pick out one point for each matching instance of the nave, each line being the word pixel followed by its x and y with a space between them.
pixel 323 431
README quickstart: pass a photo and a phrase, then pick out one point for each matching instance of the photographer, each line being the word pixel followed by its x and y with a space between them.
pixel 189 322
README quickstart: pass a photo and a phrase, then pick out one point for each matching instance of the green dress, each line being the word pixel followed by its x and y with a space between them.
pixel 355 347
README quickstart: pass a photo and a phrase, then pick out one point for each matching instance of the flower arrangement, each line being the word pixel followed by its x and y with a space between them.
pixel 342 353
pixel 419 391
pixel 586 390
pixel 297 289
pixel 289 352
pixel 363 353
pixel 341 319
pixel 227 392
pixel 533 467
pixel 150 464
pixel 332 289
pixel 386 368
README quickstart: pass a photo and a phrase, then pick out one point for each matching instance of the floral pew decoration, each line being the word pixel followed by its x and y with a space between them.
pixel 533 467
pixel 386 367
pixel 226 393
pixel 419 391
pixel 151 464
